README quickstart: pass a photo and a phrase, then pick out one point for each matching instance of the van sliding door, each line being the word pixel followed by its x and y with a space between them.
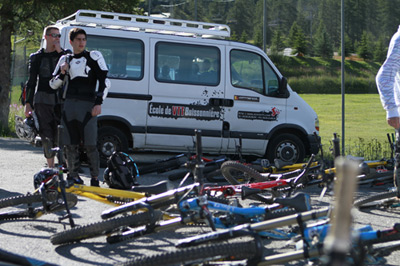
pixel 185 85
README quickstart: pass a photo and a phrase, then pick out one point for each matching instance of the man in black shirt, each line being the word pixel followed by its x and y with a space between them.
pixel 82 103
pixel 40 96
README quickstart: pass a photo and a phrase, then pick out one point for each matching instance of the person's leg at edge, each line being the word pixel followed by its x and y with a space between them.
pixel 90 145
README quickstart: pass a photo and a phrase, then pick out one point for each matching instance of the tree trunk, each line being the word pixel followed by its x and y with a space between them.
pixel 6 28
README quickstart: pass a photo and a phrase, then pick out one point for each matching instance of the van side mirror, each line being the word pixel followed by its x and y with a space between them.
pixel 283 91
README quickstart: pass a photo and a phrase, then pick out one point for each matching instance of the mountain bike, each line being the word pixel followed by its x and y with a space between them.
pixel 192 206
pixel 219 246
pixel 52 194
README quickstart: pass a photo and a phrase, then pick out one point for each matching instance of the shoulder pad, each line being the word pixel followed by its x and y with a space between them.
pixel 97 56
pixel 37 53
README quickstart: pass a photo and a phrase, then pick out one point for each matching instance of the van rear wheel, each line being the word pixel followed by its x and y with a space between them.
pixel 286 147
pixel 110 139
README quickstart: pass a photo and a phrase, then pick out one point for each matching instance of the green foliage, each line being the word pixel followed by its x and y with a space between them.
pixel 243 38
pixel 277 42
pixel 323 75
pixel 322 43
pixel 364 49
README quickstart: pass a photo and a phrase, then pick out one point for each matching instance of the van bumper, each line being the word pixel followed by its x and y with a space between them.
pixel 314 143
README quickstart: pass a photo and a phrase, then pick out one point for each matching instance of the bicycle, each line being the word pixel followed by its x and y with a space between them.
pixel 276 185
pixel 195 208
pixel 52 194
pixel 194 249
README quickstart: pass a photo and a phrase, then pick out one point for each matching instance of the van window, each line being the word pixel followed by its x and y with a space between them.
pixel 124 57
pixel 251 71
pixel 188 64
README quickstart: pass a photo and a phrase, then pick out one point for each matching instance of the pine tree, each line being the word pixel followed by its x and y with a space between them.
pixel 297 39
pixel 277 42
pixel 322 43
pixel 364 47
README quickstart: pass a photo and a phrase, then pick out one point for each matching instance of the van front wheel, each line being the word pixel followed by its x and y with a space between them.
pixel 286 147
pixel 110 139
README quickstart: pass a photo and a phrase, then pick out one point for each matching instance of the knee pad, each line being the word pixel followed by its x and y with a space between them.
pixel 73 163
pixel 93 160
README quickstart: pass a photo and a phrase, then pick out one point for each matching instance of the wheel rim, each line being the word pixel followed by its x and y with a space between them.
pixel 109 145
pixel 287 151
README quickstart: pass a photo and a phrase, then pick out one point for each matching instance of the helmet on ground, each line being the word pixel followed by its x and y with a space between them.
pixel 43 175
pixel 121 171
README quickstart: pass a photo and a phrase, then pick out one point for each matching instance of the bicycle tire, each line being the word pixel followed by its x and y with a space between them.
pixel 236 250
pixel 231 169
pixel 21 199
pixel 31 199
pixel 101 228
pixel 161 166
pixel 374 200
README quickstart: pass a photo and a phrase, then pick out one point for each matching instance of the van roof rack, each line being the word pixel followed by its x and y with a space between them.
pixel 146 23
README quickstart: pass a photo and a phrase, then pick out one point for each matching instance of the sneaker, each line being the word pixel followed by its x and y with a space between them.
pixel 74 180
pixel 94 182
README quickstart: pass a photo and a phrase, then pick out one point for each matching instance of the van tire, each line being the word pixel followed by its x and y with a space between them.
pixel 110 139
pixel 286 147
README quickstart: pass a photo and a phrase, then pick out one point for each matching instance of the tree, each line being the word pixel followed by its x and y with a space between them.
pixel 277 42
pixel 297 39
pixel 322 43
pixel 364 47
pixel 380 50
pixel 17 14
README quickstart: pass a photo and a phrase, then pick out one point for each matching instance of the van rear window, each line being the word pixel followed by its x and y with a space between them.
pixel 188 64
pixel 124 57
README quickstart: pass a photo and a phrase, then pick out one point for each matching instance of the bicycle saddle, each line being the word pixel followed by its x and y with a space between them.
pixel 156 188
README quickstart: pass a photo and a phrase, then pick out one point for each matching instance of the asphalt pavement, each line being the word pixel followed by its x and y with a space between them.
pixel 19 161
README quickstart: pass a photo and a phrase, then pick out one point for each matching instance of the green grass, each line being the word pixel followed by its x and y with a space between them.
pixel 365 123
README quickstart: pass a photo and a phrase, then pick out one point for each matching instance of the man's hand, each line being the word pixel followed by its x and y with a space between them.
pixel 96 110
pixel 28 110
pixel 64 68
pixel 394 122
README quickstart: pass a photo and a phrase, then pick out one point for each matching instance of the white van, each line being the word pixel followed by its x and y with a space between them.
pixel 170 77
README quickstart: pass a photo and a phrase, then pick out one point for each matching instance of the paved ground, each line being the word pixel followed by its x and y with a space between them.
pixel 19 161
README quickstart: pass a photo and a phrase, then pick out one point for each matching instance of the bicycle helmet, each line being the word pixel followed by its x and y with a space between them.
pixel 41 176
pixel 121 171
pixel 28 128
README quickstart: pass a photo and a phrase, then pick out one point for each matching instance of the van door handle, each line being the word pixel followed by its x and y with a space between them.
pixel 221 102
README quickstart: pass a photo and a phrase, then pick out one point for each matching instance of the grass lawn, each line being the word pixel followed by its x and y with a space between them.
pixel 365 122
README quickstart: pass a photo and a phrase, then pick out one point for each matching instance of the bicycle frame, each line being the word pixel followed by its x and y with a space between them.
pixel 104 195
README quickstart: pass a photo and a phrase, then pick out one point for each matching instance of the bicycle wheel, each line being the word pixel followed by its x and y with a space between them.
pixel 232 251
pixel 55 204
pixel 237 173
pixel 374 200
pixel 103 227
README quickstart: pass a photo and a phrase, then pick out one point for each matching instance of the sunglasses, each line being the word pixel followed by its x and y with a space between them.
pixel 54 35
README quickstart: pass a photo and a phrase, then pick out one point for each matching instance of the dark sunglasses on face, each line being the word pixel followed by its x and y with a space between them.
pixel 54 35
